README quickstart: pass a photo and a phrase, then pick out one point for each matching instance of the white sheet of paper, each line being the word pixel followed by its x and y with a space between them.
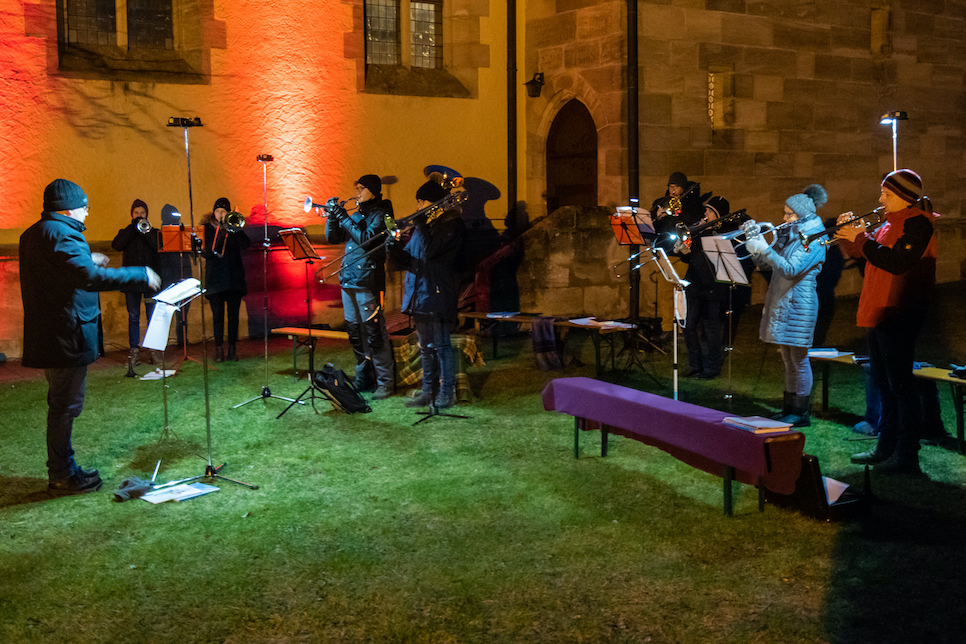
pixel 177 293
pixel 156 337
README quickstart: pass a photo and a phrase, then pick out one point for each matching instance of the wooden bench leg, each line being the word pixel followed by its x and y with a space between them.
pixel 577 437
pixel 761 495
pixel 728 476
pixel 958 406
pixel 825 370
pixel 603 440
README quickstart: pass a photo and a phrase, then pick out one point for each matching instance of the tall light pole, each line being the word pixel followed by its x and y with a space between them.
pixel 893 118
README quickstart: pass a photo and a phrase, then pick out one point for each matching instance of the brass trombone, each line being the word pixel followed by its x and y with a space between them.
pixel 232 223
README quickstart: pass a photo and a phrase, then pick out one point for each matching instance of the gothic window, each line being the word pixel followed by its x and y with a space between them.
pixel 426 29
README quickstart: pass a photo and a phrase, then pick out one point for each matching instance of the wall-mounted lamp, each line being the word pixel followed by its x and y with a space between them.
pixel 893 118
pixel 534 85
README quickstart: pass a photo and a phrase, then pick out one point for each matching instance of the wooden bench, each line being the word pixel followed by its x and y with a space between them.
pixel 926 373
pixel 302 336
pixel 694 435
pixel 599 334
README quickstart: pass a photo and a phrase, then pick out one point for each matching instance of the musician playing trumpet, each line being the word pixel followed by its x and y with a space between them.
pixel 791 303
pixel 363 282
pixel 897 289
pixel 225 283
pixel 138 244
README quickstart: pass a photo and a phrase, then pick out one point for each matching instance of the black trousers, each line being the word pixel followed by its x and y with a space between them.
pixel 220 302
pixel 892 349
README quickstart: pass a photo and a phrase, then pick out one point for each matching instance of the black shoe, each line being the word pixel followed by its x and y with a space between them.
pixel 421 400
pixel 709 375
pixel 383 392
pixel 445 401
pixel 691 372
pixel 76 483
pixel 232 356
pixel 219 354
pixel 84 472
pixel 871 457
pixel 898 464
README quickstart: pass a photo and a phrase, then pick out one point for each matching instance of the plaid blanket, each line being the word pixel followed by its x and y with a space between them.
pixel 409 367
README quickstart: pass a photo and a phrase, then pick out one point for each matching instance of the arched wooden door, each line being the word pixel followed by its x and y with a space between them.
pixel 572 158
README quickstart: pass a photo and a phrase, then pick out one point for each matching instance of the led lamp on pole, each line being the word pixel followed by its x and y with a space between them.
pixel 893 118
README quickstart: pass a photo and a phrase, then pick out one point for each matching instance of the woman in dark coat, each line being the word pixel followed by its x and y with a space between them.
pixel 431 256
pixel 225 284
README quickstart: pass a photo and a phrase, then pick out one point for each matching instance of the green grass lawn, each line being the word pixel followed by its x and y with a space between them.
pixel 368 529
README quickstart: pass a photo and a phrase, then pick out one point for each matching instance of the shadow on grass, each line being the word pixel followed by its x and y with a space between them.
pixel 22 490
pixel 897 572
pixel 169 452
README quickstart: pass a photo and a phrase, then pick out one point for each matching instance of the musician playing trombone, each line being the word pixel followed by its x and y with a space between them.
pixel 363 282
pixel 897 289
pixel 432 258
pixel 225 283
pixel 791 303
pixel 138 244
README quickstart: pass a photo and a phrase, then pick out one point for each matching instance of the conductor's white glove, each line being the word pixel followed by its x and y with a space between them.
pixel 756 245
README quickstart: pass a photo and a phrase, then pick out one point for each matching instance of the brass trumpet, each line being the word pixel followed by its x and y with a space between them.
pixel 872 219
pixel 308 205
pixel 144 226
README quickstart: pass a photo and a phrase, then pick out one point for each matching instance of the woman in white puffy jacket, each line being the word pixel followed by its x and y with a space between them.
pixel 791 303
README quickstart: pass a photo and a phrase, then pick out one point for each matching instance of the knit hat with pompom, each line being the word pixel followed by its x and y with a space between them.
pixel 806 202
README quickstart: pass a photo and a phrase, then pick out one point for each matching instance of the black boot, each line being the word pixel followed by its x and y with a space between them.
pixel 132 359
pixel 904 460
pixel 219 354
pixel 786 406
pixel 800 413
pixel 232 356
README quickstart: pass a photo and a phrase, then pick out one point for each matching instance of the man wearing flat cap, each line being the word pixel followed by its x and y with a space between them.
pixel 59 280
pixel 363 281
pixel 897 289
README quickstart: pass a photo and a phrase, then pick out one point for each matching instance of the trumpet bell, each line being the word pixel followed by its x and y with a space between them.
pixel 308 205
pixel 144 226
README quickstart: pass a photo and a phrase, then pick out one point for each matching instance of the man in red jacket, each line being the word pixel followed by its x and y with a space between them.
pixel 900 278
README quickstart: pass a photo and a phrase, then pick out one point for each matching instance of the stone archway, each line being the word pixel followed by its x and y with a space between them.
pixel 572 158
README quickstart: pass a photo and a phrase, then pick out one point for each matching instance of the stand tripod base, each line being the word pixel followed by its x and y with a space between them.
pixel 434 411
pixel 312 396
pixel 212 473
pixel 266 394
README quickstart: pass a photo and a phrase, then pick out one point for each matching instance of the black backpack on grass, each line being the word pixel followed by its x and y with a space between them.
pixel 335 386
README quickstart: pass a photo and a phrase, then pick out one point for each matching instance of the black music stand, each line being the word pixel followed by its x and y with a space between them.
pixel 300 249
pixel 177 239
pixel 168 301
pixel 211 472
pixel 727 270
pixel 632 226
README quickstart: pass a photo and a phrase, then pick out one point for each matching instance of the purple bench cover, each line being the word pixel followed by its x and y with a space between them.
pixel 694 435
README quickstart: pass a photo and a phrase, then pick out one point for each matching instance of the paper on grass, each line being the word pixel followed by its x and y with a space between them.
pixel 833 489
pixel 178 492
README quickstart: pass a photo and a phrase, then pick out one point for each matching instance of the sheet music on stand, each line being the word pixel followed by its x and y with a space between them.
pixel 298 244
pixel 632 226
pixel 723 258
pixel 168 301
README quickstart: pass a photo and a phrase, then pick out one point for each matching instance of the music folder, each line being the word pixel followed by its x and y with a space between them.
pixel 177 239
pixel 632 225
pixel 168 301
pixel 298 244
pixel 723 258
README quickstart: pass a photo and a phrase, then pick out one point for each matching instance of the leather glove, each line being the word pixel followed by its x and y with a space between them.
pixel 756 245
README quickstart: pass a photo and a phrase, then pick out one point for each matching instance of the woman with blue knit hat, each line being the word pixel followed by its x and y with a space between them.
pixel 791 303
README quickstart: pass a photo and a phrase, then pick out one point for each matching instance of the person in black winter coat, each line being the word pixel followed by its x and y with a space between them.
pixel 432 256
pixel 138 244
pixel 363 281
pixel 59 280
pixel 225 284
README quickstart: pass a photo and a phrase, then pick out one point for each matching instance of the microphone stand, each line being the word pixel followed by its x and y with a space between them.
pixel 197 244
pixel 266 392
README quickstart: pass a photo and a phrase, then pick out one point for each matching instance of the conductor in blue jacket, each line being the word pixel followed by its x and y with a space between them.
pixel 432 257
pixel 59 280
